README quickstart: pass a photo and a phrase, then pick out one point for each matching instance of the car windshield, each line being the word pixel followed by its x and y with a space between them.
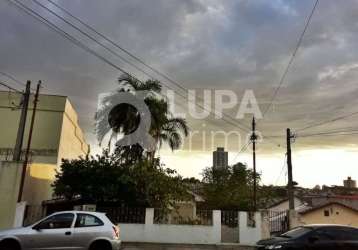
pixel 297 232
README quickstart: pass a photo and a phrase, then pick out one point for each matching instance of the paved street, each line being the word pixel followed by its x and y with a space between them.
pixel 148 246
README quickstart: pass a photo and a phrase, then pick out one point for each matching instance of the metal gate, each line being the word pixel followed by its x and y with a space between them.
pixel 279 222
pixel 230 226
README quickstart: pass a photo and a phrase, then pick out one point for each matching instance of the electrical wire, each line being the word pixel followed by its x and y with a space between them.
pixel 327 121
pixel 122 58
pixel 82 45
pixel 10 87
pixel 243 149
pixel 106 38
pixel 334 133
pixel 72 39
pixel 282 79
pixel 179 85
pixel 93 39
pixel 79 43
pixel 282 170
pixel 12 78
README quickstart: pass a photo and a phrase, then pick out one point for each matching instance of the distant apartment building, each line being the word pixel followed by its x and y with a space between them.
pixel 349 188
pixel 349 183
pixel 220 158
pixel 56 135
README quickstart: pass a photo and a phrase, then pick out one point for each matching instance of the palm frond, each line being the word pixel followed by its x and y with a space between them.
pixel 180 124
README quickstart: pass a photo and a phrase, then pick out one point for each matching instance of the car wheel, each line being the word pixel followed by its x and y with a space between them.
pixel 100 245
pixel 9 245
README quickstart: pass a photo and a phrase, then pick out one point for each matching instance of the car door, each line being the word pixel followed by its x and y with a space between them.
pixel 87 228
pixel 320 239
pixel 351 242
pixel 347 238
pixel 55 232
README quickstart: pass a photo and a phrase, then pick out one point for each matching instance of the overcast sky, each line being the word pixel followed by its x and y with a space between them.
pixel 219 45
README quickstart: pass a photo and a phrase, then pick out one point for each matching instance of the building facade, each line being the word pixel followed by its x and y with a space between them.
pixel 220 158
pixel 56 135
pixel 330 213
pixel 350 183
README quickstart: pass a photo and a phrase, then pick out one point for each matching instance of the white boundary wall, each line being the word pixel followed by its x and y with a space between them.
pixel 164 233
pixel 189 234
pixel 19 214
pixel 250 235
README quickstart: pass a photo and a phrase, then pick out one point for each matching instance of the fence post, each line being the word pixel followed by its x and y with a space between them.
pixel 20 214
pixel 217 225
pixel 294 219
pixel 265 224
pixel 149 216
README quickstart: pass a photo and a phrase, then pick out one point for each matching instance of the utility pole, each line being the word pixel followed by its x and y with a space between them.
pixel 24 166
pixel 291 200
pixel 253 139
pixel 22 124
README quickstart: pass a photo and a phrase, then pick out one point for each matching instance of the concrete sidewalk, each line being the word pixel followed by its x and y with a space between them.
pixel 161 246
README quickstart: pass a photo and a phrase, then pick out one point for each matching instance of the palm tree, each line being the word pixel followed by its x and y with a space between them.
pixel 124 119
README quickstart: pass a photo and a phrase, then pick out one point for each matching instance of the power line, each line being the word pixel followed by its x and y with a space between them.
pixel 282 79
pixel 243 149
pixel 63 33
pixel 327 121
pixel 86 48
pixel 119 56
pixel 82 45
pixel 76 41
pixel 10 87
pixel 282 170
pixel 12 78
pixel 337 133
pixel 338 130
pixel 165 76
pixel 93 39
pixel 106 38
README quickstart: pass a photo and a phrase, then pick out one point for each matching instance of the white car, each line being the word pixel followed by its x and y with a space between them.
pixel 64 230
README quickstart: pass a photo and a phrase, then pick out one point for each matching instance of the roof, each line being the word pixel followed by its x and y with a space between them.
pixel 325 205
pixel 197 197
pixel 346 197
pixel 282 201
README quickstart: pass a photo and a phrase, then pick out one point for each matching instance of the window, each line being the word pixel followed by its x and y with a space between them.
pixel 352 234
pixel 87 220
pixel 322 235
pixel 326 213
pixel 335 233
pixel 297 232
pixel 57 221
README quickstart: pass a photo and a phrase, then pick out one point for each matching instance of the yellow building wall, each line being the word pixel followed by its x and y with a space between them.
pixel 56 130
pixel 72 142
pixel 47 128
pixel 337 215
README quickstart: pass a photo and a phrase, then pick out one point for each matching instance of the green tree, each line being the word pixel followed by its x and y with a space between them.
pixel 228 188
pixel 104 179
pixel 123 119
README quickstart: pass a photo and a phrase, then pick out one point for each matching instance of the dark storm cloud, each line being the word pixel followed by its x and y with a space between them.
pixel 232 44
